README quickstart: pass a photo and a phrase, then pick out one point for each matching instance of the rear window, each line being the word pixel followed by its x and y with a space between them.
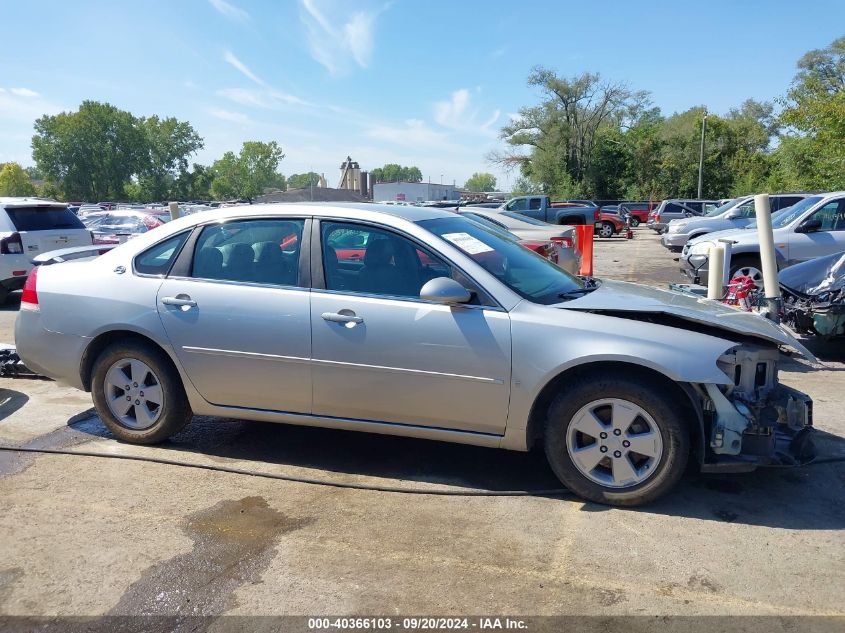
pixel 43 219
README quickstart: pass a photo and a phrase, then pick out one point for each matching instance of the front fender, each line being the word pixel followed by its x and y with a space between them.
pixel 549 341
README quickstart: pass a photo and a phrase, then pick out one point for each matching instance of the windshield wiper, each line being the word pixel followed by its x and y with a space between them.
pixel 577 292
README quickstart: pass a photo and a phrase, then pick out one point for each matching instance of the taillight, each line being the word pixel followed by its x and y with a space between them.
pixel 565 242
pixel 29 298
pixel 596 215
pixel 11 245
pixel 657 218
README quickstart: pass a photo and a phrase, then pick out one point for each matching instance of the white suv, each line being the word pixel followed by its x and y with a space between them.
pixel 28 228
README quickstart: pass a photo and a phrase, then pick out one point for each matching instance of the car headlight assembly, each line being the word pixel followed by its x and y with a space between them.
pixel 701 248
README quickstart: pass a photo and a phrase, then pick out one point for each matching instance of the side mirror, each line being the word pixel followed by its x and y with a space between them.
pixel 445 290
pixel 810 226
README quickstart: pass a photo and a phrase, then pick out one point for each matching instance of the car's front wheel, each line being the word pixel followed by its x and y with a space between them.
pixel 138 393
pixel 616 439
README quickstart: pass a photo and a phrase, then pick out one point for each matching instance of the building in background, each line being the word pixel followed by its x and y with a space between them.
pixel 413 192
pixel 353 179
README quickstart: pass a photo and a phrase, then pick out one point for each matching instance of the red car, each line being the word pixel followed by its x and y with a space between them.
pixel 639 211
pixel 609 224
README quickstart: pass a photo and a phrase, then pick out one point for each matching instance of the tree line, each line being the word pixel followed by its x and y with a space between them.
pixel 590 138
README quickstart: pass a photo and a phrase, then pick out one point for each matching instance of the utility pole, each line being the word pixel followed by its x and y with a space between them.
pixel 701 157
pixel 311 182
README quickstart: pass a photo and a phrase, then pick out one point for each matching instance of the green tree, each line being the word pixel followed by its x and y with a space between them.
pixel 392 172
pixel 481 182
pixel 14 181
pixel 247 174
pixel 811 153
pixel 303 181
pixel 169 145
pixel 91 153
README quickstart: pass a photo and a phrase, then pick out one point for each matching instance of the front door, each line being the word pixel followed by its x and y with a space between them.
pixel 240 321
pixel 382 354
pixel 829 238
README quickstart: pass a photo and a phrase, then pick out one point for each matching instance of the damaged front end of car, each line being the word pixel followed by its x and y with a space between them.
pixel 755 420
pixel 814 296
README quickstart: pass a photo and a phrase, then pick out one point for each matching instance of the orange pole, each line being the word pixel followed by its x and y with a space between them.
pixel 585 245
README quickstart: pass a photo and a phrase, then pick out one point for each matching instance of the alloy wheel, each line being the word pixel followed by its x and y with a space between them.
pixel 614 443
pixel 750 271
pixel 134 394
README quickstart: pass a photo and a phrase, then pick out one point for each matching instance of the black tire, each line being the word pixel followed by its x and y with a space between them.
pixel 653 398
pixel 175 409
pixel 744 261
pixel 635 222
pixel 606 227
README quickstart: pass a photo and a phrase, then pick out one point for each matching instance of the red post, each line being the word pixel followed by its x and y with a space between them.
pixel 585 245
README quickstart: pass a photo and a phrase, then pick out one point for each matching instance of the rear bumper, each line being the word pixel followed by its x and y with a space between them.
pixel 48 353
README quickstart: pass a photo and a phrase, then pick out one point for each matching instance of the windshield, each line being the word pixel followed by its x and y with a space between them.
pixel 794 212
pixel 524 218
pixel 725 207
pixel 529 275
pixel 43 218
pixel 775 216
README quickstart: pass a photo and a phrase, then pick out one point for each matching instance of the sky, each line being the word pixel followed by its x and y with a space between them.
pixel 416 82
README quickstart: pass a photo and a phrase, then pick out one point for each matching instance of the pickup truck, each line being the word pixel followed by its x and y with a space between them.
pixel 542 208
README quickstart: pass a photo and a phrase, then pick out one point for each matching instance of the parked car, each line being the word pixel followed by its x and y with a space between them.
pixel 542 208
pixel 813 227
pixel 535 231
pixel 734 214
pixel 609 224
pixel 29 227
pixel 670 210
pixel 638 211
pixel 444 330
pixel 610 208
pixel 112 227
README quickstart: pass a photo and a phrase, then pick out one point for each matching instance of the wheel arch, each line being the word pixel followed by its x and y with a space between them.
pixel 684 393
pixel 103 340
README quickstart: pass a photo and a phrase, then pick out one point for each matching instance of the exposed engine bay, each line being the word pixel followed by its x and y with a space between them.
pixel 757 420
pixel 814 296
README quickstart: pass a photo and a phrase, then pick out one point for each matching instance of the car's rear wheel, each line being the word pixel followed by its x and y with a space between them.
pixel 138 393
pixel 606 230
pixel 635 222
pixel 616 439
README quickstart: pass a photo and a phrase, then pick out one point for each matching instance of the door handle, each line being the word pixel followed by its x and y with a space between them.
pixel 183 301
pixel 341 318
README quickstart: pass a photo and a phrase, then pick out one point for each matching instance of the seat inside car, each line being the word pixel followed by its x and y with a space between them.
pixel 390 267
pixel 238 261
pixel 208 263
pixel 271 265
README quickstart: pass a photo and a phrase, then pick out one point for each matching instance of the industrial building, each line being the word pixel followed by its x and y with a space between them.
pixel 413 192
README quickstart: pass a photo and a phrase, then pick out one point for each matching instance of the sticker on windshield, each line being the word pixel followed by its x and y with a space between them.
pixel 467 243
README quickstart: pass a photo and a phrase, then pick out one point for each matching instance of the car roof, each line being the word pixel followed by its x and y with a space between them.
pixel 410 213
pixel 29 201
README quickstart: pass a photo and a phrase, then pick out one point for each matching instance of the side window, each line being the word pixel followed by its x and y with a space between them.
pixel 383 263
pixel 253 251
pixel 832 216
pixel 673 208
pixel 534 204
pixel 787 201
pixel 520 204
pixel 746 210
pixel 157 259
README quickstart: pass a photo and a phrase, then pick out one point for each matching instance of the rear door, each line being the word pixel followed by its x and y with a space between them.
pixel 237 315
pixel 47 227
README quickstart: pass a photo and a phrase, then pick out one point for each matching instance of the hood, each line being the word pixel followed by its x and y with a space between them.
pixel 736 234
pixel 620 296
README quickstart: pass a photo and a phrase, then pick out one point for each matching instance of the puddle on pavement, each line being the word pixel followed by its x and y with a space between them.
pixel 233 543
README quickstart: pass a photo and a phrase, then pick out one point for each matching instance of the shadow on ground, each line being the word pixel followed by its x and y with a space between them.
pixel 807 498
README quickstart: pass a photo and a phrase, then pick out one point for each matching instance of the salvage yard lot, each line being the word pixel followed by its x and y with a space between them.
pixel 87 536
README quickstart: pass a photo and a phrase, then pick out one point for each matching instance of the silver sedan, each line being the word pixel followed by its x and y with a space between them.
pixel 417 322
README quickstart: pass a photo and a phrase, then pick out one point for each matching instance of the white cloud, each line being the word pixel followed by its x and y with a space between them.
pixel 238 65
pixel 229 10
pixel 24 105
pixel 414 133
pixel 457 114
pixel 24 92
pixel 228 115
pixel 268 99
pixel 336 45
